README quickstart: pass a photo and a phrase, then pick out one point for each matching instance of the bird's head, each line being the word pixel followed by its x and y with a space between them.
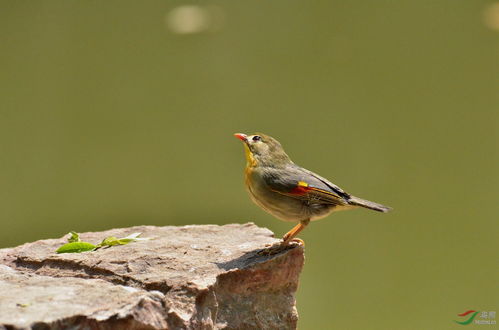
pixel 263 150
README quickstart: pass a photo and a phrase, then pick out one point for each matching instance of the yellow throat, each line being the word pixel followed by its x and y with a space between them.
pixel 250 159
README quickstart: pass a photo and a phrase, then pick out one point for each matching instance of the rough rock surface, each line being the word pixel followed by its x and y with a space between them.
pixel 191 277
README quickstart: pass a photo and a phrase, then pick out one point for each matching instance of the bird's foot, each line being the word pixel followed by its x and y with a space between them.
pixel 297 241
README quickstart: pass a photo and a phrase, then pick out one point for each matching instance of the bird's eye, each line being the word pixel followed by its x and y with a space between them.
pixel 256 138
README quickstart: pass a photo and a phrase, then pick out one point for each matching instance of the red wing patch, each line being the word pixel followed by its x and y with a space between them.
pixel 303 188
pixel 320 196
pixel 300 189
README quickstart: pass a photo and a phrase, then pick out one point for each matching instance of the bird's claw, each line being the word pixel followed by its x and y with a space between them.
pixel 298 241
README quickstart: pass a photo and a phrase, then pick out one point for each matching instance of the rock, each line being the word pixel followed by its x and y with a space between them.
pixel 191 277
pixel 33 301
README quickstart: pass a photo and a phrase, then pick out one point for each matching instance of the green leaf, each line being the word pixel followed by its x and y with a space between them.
pixel 110 241
pixel 74 237
pixel 76 247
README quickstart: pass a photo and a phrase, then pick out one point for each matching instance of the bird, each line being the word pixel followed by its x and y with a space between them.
pixel 290 192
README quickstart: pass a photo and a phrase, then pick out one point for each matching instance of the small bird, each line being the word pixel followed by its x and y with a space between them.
pixel 290 192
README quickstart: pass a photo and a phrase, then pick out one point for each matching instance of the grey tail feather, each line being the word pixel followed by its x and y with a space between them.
pixel 368 204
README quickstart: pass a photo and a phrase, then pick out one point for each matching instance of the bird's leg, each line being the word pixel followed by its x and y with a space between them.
pixel 290 235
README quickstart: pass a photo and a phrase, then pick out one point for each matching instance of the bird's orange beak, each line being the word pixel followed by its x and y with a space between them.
pixel 241 136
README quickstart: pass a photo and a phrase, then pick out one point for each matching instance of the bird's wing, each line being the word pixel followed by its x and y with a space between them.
pixel 331 186
pixel 302 184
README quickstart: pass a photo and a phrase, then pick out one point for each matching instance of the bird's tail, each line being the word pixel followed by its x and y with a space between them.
pixel 368 204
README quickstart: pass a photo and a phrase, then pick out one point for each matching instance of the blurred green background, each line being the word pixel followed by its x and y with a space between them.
pixel 121 113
